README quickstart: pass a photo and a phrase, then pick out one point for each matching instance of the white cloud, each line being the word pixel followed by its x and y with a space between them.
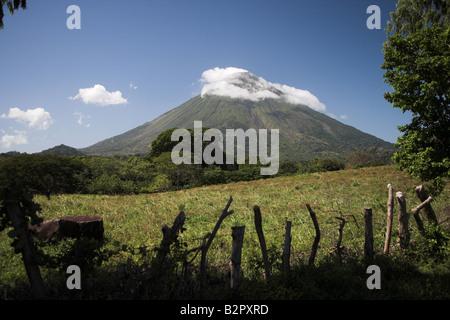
pixel 8 140
pixel 35 118
pixel 100 96
pixel 240 83
pixel 299 96
pixel 132 86
pixel 343 116
pixel 81 118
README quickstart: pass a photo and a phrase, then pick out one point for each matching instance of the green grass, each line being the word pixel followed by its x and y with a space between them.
pixel 136 221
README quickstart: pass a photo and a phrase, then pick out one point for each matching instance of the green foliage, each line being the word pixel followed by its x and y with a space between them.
pixel 179 175
pixel 53 174
pixel 111 184
pixel 160 183
pixel 433 247
pixel 417 64
pixel 246 172
pixel 117 268
pixel 116 175
pixel 214 175
pixel 162 143
pixel 288 167
pixel 63 150
pixel 84 252
pixel 362 159
pixel 413 15
pixel 45 174
pixel 16 187
pixel 325 164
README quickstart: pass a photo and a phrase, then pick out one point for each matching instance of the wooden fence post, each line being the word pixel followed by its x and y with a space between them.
pixel 428 210
pixel 312 256
pixel 340 234
pixel 419 223
pixel 169 236
pixel 368 234
pixel 403 218
pixel 416 216
pixel 262 242
pixel 390 207
pixel 237 234
pixel 225 213
pixel 287 246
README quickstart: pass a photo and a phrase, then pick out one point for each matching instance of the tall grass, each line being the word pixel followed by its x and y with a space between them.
pixel 136 220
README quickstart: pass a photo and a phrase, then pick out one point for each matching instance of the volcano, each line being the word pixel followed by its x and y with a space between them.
pixel 234 98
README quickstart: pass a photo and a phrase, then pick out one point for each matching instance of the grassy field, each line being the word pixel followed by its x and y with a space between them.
pixel 136 221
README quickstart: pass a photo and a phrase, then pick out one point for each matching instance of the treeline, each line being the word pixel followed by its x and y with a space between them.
pixel 55 174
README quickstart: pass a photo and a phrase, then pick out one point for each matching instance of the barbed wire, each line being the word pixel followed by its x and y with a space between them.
pixel 252 232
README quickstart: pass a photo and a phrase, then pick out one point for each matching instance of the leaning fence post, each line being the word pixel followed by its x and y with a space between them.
pixel 416 216
pixel 403 218
pixel 340 231
pixel 287 246
pixel 427 209
pixel 237 234
pixel 368 234
pixel 312 256
pixel 262 241
pixel 169 236
pixel 225 213
pixel 390 207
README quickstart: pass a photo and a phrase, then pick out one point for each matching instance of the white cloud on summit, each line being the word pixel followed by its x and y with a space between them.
pixel 100 96
pixel 299 96
pixel 229 82
pixel 35 118
pixel 240 83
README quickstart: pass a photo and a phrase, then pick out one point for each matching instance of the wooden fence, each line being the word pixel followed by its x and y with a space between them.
pixel 238 232
pixel 170 235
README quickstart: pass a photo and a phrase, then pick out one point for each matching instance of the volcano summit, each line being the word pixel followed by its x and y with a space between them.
pixel 241 84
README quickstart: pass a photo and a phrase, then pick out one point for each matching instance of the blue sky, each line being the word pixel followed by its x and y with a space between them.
pixel 151 55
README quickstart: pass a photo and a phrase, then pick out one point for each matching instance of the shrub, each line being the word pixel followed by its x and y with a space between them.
pixel 111 184
pixel 325 164
pixel 159 184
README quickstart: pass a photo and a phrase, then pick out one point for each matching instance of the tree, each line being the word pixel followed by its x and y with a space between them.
pixel 359 159
pixel 413 15
pixel 417 64
pixel 325 164
pixel 50 174
pixel 162 143
pixel 288 167
pixel 12 6
pixel 179 175
pixel 17 209
pixel 46 174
